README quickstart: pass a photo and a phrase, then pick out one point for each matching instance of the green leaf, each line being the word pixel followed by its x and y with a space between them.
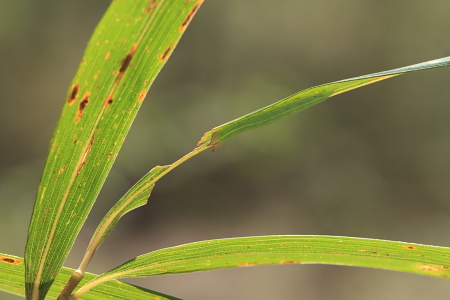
pixel 11 280
pixel 135 197
pixel 279 250
pixel 127 50
pixel 304 99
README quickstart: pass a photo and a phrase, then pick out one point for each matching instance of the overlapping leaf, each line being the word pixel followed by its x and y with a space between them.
pixel 134 198
pixel 127 50
pixel 11 280
pixel 269 250
pixel 148 265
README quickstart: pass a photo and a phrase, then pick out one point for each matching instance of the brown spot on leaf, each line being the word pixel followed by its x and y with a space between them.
pixel 108 55
pixel 82 106
pixel 109 100
pixel 62 170
pixel 73 94
pixel 142 95
pixel 288 262
pixel 247 264
pixel 425 267
pixel 150 7
pixel 435 270
pixel 190 15
pixel 96 74
pixel 166 53
pixel 363 251
pixel 10 260
pixel 409 247
pixel 126 63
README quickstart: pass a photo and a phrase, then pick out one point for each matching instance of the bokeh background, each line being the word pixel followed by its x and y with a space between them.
pixel 371 163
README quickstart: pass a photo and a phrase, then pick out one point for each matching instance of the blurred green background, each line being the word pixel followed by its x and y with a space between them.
pixel 371 163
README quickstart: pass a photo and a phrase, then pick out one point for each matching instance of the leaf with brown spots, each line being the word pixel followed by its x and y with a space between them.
pixel 11 280
pixel 280 250
pixel 164 56
pixel 121 62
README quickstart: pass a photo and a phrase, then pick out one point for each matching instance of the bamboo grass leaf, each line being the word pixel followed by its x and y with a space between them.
pixel 127 50
pixel 279 250
pixel 135 197
pixel 304 99
pixel 11 281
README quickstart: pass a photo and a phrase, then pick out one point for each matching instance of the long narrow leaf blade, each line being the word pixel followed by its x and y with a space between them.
pixel 11 281
pixel 304 99
pixel 127 50
pixel 279 250
pixel 135 197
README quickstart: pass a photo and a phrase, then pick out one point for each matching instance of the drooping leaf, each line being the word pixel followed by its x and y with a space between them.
pixel 127 50
pixel 279 250
pixel 12 271
pixel 135 197
pixel 304 99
